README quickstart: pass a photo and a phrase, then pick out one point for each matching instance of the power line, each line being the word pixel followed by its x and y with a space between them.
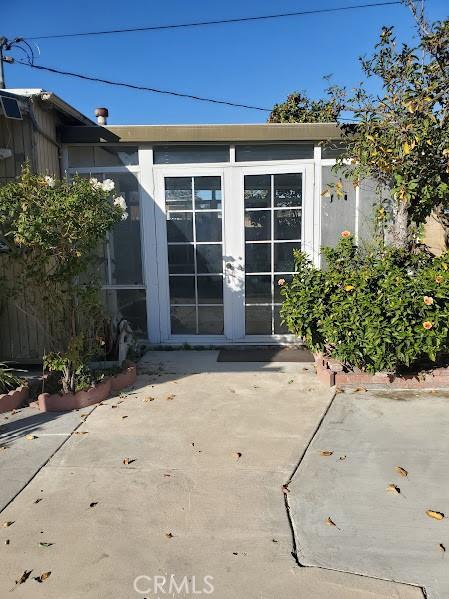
pixel 140 87
pixel 216 22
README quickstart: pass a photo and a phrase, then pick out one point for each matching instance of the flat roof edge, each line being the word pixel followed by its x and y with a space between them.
pixel 202 133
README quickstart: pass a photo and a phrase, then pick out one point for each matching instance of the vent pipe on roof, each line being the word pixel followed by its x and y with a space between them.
pixel 102 116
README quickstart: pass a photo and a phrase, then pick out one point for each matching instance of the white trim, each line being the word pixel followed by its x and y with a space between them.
pixel 318 162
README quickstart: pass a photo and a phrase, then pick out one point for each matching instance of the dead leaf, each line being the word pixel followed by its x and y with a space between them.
pixel 401 471
pixel 285 489
pixel 8 524
pixel 291 381
pixel 2 447
pixel 24 577
pixel 339 390
pixel 326 453
pixel 394 489
pixel 442 547
pixel 167 475
pixel 360 390
pixel 330 522
pixel 128 461
pixel 275 540
pixel 84 415
pixel 170 397
pixel 343 457
pixel 435 515
pixel 93 504
pixel 235 553
pixel 238 454
pixel 125 416
pixel 7 541
pixel 169 535
pixel 30 437
pixel 113 406
pixel 146 399
pixel 80 432
pixel 43 544
pixel 42 577
pixel 38 500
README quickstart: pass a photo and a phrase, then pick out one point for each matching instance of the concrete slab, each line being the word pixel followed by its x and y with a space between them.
pixel 20 457
pixel 378 531
pixel 202 498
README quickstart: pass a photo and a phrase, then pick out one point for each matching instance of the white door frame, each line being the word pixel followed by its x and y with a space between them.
pixel 233 248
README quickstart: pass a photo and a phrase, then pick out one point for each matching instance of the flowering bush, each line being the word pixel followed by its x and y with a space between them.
pixel 379 310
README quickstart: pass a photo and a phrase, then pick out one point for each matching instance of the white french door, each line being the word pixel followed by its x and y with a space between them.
pixel 225 236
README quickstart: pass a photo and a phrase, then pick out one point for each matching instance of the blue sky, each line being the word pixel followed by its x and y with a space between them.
pixel 255 63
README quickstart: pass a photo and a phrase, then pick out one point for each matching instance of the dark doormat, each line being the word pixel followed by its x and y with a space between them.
pixel 265 355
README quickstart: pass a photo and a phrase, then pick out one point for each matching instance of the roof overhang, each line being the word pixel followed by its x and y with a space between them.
pixel 163 134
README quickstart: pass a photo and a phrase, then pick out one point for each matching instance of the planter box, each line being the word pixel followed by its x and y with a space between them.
pixel 83 399
pixel 14 399
pixel 332 373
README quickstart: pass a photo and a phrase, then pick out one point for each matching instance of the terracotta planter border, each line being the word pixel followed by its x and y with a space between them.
pixel 83 399
pixel 332 373
pixel 14 399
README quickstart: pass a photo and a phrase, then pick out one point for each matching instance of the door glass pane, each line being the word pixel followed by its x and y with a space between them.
pixel 178 193
pixel 183 320
pixel 273 213
pixel 208 226
pixel 283 256
pixel 195 249
pixel 180 259
pixel 210 320
pixel 210 290
pixel 129 304
pixel 182 290
pixel 209 258
pixel 287 224
pixel 258 320
pixel 258 257
pixel 288 190
pixel 207 193
pixel 258 289
pixel 257 225
pixel 257 191
pixel 179 226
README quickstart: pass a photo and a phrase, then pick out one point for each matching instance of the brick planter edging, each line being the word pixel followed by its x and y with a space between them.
pixel 332 373
pixel 83 399
pixel 14 399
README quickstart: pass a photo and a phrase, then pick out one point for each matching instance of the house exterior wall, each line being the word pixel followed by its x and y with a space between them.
pixel 33 139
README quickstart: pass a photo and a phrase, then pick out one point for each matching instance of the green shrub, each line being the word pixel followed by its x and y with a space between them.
pixel 379 310
pixel 8 380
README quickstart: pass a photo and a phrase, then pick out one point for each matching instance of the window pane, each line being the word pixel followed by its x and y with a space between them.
pixel 258 320
pixel 180 259
pixel 190 154
pixel 115 156
pixel 81 156
pixel 258 257
pixel 129 304
pixel 209 258
pixel 178 193
pixel 210 290
pixel 207 193
pixel 287 224
pixel 283 256
pixel 258 289
pixel 208 226
pixel 183 320
pixel 179 226
pixel 288 190
pixel 182 290
pixel 246 153
pixel 210 320
pixel 124 240
pixel 279 329
pixel 257 191
pixel 258 225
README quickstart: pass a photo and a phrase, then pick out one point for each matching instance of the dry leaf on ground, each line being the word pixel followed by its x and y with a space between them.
pixel 330 522
pixel 42 577
pixel 128 461
pixel 238 454
pixel 8 523
pixel 170 397
pixel 24 577
pixel 43 544
pixel 169 535
pixel 442 547
pixel 394 489
pixel 401 471
pixel 93 504
pixel 31 437
pixel 326 453
pixel 146 399
pixel 435 515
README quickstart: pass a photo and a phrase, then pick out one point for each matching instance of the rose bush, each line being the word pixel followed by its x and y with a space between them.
pixel 378 310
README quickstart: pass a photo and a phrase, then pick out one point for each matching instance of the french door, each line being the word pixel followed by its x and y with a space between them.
pixel 225 238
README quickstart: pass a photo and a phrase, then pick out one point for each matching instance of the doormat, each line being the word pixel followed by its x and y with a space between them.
pixel 265 355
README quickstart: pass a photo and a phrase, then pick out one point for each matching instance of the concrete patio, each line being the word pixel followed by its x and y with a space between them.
pixel 208 448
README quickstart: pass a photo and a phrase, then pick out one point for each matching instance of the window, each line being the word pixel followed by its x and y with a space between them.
pixel 250 153
pixel 178 154
pixel 102 156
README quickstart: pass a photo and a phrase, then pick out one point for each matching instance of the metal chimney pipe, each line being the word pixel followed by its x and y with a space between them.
pixel 102 116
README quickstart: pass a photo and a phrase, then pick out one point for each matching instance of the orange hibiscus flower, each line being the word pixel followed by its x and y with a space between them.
pixel 427 325
pixel 346 234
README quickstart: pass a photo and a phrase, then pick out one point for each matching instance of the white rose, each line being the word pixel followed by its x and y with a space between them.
pixel 50 181
pixel 124 216
pixel 120 201
pixel 108 185
pixel 95 183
